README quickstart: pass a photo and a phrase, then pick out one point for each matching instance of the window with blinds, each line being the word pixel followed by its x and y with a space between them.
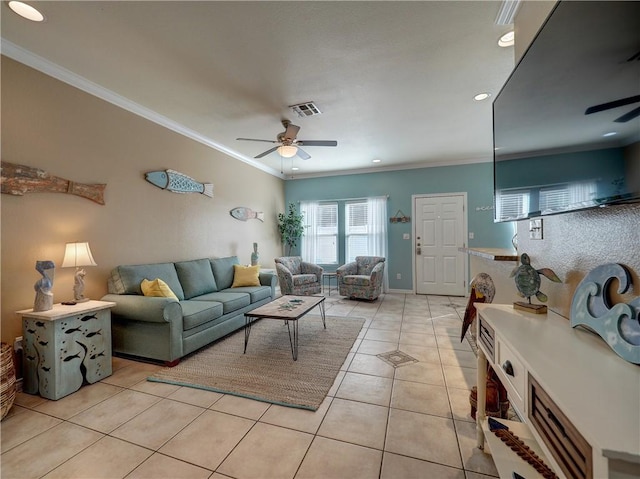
pixel 327 233
pixel 512 204
pixel 561 197
pixel 356 230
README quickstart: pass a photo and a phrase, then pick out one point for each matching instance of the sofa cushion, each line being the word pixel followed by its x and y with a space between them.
pixel 245 276
pixel 223 271
pixel 126 279
pixel 157 288
pixel 256 293
pixel 231 301
pixel 195 313
pixel 196 277
pixel 357 280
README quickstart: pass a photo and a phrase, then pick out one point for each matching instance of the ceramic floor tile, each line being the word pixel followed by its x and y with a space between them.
pixel 328 458
pixel 115 411
pixel 376 347
pixel 475 475
pixel 385 325
pixel 156 425
pixel 366 388
pixel 419 397
pixel 131 374
pixel 452 342
pixel 155 388
pixel 420 328
pixel 336 383
pixel 20 428
pixel 355 422
pixel 196 397
pixel 416 318
pixel 422 372
pixel 473 458
pixel 274 452
pixel 347 362
pixel 29 400
pixel 426 354
pixel 91 461
pixel 460 378
pixel 159 466
pixel 395 467
pixel 367 364
pixel 455 357
pixel 423 436
pixel 295 418
pixel 207 441
pixel 460 405
pixel 81 400
pixel 37 457
pixel 417 339
pixel 239 406
pixel 382 335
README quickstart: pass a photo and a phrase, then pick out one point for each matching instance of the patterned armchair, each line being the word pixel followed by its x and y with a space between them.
pixel 361 279
pixel 298 277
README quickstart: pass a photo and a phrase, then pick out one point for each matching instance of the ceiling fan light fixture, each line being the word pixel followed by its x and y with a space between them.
pixel 287 151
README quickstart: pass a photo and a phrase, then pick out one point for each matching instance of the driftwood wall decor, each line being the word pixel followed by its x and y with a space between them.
pixel 19 179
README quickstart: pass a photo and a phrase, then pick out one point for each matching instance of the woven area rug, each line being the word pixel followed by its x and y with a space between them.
pixel 267 372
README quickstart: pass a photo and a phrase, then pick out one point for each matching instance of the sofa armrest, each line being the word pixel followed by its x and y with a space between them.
pixel 145 308
pixel 310 268
pixel 347 269
pixel 269 279
pixel 377 273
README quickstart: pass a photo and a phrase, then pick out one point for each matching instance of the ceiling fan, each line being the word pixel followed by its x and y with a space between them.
pixel 288 145
pixel 615 104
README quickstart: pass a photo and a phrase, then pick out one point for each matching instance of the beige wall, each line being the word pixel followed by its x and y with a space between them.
pixel 68 133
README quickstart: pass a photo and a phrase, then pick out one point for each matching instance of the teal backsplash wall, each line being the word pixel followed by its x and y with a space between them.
pixel 475 179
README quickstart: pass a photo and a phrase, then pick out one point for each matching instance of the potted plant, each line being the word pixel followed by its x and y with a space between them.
pixel 290 227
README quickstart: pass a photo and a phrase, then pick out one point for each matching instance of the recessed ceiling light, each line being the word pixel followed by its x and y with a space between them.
pixel 611 133
pixel 481 96
pixel 377 161
pixel 294 168
pixel 507 40
pixel 26 11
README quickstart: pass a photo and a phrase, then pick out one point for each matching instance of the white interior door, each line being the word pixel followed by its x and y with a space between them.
pixel 440 230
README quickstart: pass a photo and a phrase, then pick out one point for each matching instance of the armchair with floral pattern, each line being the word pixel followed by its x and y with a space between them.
pixel 362 278
pixel 298 277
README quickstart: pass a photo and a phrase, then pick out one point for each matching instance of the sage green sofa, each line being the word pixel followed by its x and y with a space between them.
pixel 166 329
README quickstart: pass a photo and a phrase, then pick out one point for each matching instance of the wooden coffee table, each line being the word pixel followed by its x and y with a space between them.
pixel 286 308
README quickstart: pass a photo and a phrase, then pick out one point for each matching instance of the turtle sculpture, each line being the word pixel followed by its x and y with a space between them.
pixel 527 280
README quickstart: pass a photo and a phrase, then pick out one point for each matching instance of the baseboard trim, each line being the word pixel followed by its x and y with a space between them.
pixel 402 291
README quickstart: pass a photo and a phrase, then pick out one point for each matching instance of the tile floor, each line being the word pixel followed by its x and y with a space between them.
pixel 377 422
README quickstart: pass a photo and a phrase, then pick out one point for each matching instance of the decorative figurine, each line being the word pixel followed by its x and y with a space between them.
pixel 44 296
pixel 482 291
pixel 177 182
pixel 528 284
pixel 254 255
pixel 78 286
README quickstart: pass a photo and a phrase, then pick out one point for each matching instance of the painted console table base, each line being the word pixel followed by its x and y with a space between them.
pixel 66 347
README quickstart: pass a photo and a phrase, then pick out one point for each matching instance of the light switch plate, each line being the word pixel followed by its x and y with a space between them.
pixel 406 236
pixel 535 229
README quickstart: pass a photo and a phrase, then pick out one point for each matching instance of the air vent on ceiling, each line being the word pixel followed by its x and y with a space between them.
pixel 306 109
pixel 507 12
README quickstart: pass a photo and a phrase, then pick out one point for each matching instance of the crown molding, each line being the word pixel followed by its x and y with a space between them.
pixel 51 69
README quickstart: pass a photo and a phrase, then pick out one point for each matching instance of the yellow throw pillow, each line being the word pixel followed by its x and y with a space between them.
pixel 245 276
pixel 157 288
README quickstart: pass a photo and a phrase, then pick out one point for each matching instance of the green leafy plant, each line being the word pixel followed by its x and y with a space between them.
pixel 290 228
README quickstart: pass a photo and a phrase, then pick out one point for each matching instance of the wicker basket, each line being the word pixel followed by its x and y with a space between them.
pixel 7 379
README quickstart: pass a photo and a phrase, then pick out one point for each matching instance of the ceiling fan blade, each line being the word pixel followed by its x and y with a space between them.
pixel 317 142
pixel 265 153
pixel 291 132
pixel 254 139
pixel 628 116
pixel 303 154
pixel 612 104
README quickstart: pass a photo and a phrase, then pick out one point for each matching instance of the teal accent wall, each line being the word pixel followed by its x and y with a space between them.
pixel 475 179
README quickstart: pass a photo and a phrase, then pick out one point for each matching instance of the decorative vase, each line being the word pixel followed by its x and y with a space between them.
pixel 254 255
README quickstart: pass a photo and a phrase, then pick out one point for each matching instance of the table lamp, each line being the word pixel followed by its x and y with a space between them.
pixel 76 255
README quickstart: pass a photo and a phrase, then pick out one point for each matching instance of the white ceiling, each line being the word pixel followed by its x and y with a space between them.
pixel 394 80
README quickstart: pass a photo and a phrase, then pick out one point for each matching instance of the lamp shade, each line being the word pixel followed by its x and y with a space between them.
pixel 77 254
pixel 287 151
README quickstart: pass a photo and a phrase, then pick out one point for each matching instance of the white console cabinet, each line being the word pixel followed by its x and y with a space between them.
pixel 578 400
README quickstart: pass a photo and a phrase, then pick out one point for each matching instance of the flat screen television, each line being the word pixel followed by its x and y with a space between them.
pixel 566 124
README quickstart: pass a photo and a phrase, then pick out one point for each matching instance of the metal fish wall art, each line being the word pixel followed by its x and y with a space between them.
pixel 176 182
pixel 20 179
pixel 243 214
